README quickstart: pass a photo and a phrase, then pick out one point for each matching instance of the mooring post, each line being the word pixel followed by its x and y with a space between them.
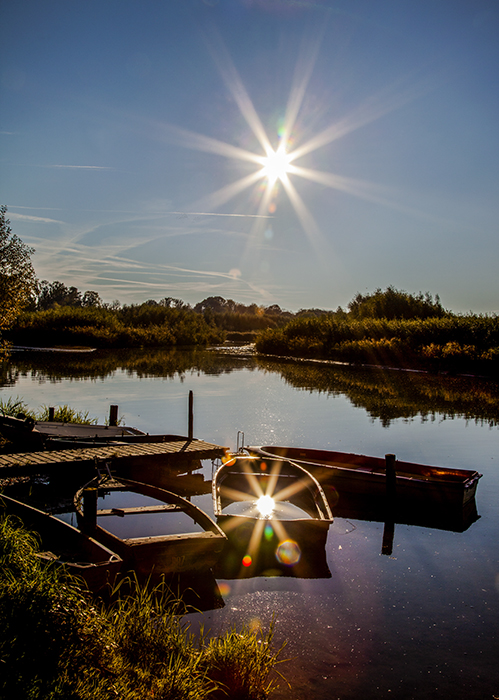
pixel 113 415
pixel 51 413
pixel 389 529
pixel 90 507
pixel 191 416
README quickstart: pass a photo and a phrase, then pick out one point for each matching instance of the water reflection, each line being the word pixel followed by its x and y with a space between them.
pixel 391 394
pixel 385 394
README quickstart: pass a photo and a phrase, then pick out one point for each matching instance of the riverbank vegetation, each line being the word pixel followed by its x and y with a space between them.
pixel 391 328
pixel 57 642
pixel 143 325
pixel 62 414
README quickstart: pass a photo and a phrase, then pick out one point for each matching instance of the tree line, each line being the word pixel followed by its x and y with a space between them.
pixel 386 326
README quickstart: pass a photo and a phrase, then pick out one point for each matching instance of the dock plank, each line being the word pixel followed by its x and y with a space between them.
pixel 34 462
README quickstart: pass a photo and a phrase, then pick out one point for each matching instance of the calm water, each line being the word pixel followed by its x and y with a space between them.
pixel 421 622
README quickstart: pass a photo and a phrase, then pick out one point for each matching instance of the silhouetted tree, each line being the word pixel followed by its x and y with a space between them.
pixel 17 275
pixel 393 303
pixel 91 298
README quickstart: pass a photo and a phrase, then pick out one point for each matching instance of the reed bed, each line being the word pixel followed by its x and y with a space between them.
pixel 451 343
pixel 57 642
pixel 136 326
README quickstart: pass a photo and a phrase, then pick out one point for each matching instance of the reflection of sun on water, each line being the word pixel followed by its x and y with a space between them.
pixel 265 505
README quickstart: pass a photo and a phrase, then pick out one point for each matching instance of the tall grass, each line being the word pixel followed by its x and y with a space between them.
pixel 134 326
pixel 62 414
pixel 56 642
pixel 452 342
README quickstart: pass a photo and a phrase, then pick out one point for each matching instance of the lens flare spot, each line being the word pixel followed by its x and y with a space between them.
pixel 265 505
pixel 268 532
pixel 263 466
pixel 224 588
pixel 255 625
pixel 247 560
pixel 288 553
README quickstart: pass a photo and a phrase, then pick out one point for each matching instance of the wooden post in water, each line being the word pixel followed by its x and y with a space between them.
pixel 51 413
pixel 113 415
pixel 191 416
pixel 90 507
pixel 389 529
pixel 388 534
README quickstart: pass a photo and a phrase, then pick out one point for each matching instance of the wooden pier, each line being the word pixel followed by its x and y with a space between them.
pixel 178 454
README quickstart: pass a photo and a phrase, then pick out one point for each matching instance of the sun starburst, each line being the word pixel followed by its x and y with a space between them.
pixel 276 165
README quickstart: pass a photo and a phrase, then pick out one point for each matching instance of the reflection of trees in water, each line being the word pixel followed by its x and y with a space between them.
pixel 386 395
pixel 389 394
pixel 152 362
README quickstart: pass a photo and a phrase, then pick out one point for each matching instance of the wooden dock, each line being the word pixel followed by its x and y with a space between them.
pixel 176 454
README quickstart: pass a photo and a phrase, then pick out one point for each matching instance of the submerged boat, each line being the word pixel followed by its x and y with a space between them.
pixel 354 473
pixel 33 434
pixel 276 517
pixel 153 530
pixel 82 555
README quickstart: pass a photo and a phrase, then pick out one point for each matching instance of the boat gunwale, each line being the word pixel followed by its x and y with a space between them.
pixel 113 559
pixel 121 484
pixel 465 478
pixel 325 515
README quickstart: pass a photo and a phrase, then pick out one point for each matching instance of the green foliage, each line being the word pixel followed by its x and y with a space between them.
pixel 57 643
pixel 50 295
pixel 62 414
pixel 13 406
pixel 17 276
pixel 241 663
pixel 45 618
pixel 143 325
pixel 393 303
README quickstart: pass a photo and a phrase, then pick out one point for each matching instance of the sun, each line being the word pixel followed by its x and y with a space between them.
pixel 276 165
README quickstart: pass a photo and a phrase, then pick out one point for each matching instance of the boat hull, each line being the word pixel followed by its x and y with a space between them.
pixel 33 435
pixel 290 544
pixel 364 475
pixel 63 544
pixel 158 554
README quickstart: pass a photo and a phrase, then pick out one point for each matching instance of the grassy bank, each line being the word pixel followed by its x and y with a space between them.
pixel 57 643
pixel 452 343
pixel 62 414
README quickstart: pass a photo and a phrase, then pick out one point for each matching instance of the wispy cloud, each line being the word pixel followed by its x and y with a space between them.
pixel 78 167
pixel 34 219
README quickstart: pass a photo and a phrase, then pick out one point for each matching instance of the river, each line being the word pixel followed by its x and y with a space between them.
pixel 421 621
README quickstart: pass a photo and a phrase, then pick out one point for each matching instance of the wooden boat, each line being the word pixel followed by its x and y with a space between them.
pixel 82 555
pixel 276 517
pixel 354 473
pixel 32 434
pixel 152 529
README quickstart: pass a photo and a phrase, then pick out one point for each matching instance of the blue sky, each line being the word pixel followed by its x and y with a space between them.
pixel 134 136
